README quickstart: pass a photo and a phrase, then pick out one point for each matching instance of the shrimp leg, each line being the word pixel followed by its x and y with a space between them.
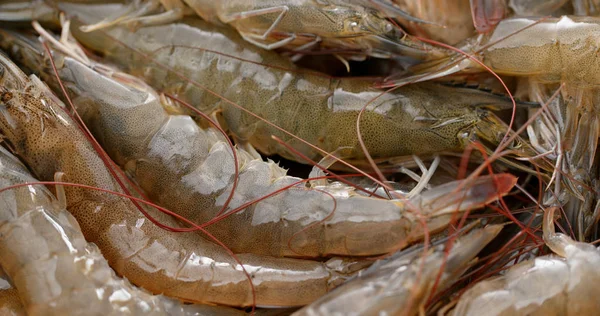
pixel 252 38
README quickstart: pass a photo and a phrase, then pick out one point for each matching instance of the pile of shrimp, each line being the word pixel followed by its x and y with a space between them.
pixel 278 157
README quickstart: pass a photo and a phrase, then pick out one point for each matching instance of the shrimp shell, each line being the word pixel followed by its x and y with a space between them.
pixel 55 270
pixel 403 283
pixel 549 285
pixel 190 171
pixel 416 119
pixel 185 266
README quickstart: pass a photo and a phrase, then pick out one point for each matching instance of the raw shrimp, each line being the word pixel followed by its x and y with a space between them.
pixel 566 284
pixel 403 284
pixel 344 27
pixel 575 165
pixel 553 50
pixel 191 171
pixel 186 266
pixel 10 302
pixel 416 119
pixel 55 270
pixel 549 51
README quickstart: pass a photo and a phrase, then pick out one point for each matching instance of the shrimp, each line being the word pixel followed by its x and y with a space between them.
pixel 146 140
pixel 416 119
pixel 575 166
pixel 551 51
pixel 345 27
pixel 403 284
pixel 55 270
pixel 550 285
pixel 10 302
pixel 185 266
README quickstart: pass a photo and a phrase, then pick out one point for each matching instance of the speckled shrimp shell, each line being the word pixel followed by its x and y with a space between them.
pixel 213 68
pixel 55 271
pixel 190 170
pixel 184 266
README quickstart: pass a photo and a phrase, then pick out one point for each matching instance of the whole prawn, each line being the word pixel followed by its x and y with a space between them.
pixel 54 269
pixel 181 60
pixel 346 28
pixel 186 266
pixel 147 141
pixel 552 52
pixel 561 284
pixel 401 286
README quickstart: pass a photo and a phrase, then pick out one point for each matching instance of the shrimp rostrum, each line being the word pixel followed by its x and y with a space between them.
pixel 187 266
pixel 323 220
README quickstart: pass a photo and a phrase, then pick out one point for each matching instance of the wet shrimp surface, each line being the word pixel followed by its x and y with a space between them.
pixel 297 157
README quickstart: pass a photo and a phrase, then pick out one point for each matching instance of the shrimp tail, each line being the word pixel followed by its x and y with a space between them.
pixel 448 198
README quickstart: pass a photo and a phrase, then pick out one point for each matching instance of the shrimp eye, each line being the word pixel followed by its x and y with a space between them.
pixel 388 27
pixel 6 96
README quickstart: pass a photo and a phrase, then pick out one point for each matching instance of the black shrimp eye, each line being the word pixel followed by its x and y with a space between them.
pixel 388 27
pixel 5 96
